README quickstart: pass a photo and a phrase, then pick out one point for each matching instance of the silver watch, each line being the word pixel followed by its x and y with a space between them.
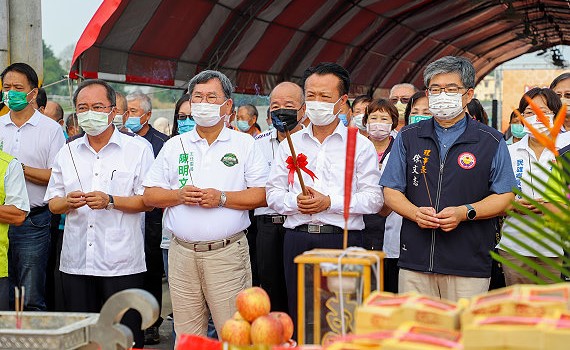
pixel 223 199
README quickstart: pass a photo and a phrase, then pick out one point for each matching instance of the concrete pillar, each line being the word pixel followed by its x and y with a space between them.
pixel 21 33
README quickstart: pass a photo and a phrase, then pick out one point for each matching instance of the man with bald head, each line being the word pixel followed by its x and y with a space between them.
pixel 286 105
pixel 400 96
pixel 54 111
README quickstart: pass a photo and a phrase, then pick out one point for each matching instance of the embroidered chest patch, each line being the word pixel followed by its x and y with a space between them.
pixel 229 159
pixel 466 160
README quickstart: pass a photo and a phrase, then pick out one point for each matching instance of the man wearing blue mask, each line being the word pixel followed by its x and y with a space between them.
pixel 246 120
pixel 34 140
pixel 137 120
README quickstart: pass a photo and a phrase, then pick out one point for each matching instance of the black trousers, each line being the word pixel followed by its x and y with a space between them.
pixel 89 293
pixel 391 274
pixel 251 236
pixel 270 268
pixel 298 242
pixel 154 262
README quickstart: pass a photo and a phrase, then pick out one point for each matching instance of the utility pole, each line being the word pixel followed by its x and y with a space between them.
pixel 21 34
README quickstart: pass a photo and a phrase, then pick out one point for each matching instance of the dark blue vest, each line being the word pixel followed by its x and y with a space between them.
pixel 462 177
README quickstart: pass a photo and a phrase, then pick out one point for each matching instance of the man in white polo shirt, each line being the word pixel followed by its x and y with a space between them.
pixel 34 140
pixel 207 179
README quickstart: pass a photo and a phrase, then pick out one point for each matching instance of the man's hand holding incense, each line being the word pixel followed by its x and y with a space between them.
pixel 315 202
pixel 75 199
pixel 190 195
pixel 450 217
pixel 426 218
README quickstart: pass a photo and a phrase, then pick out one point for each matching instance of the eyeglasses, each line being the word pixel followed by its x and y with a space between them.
pixel 210 98
pixel 529 113
pixel 85 108
pixel 450 89
pixel 563 95
pixel 184 117
pixel 404 100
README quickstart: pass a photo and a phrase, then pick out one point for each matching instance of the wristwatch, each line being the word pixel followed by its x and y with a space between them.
pixel 223 199
pixel 111 204
pixel 471 213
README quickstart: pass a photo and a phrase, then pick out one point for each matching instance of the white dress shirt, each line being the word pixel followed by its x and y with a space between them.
pixel 102 242
pixel 327 161
pixel 524 161
pixel 230 163
pixel 267 144
pixel 35 144
pixel 15 187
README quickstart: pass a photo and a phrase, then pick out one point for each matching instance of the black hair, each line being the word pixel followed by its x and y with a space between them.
pixel 184 98
pixel 25 69
pixel 111 96
pixel 552 100
pixel 416 96
pixel 41 99
pixel 382 105
pixel 476 110
pixel 361 99
pixel 330 68
pixel 559 78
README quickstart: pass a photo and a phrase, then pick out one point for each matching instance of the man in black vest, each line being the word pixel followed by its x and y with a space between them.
pixel 449 177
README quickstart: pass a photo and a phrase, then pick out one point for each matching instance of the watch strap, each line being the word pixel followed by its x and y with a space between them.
pixel 470 209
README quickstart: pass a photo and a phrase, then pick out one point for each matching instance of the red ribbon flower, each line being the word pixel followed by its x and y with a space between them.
pixel 302 164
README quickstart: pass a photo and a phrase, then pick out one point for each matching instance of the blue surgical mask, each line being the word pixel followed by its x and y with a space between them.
pixel 243 125
pixel 134 123
pixel 343 119
pixel 186 125
pixel 418 118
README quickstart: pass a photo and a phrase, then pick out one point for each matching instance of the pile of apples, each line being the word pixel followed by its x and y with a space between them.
pixel 253 323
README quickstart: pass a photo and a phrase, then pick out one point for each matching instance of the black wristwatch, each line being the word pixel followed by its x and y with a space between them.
pixel 111 204
pixel 471 213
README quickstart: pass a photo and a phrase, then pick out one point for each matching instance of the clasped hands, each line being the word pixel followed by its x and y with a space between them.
pixel 95 200
pixel 313 203
pixel 204 197
pixel 446 220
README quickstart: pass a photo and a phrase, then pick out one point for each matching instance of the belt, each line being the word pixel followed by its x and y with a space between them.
pixel 313 228
pixel 210 245
pixel 275 219
pixel 38 210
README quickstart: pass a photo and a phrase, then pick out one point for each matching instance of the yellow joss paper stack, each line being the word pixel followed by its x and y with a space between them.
pixel 387 311
pixel 557 335
pixel 413 336
pixel 371 341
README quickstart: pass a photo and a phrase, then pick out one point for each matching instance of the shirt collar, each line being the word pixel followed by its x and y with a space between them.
pixel 34 119
pixel 224 135
pixel 340 130
pixel 115 138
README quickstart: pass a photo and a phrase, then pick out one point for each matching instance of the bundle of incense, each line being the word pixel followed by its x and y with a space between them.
pixel 19 305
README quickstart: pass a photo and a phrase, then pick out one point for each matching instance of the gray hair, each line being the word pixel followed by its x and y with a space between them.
pixel 208 75
pixel 452 64
pixel 144 100
pixel 403 85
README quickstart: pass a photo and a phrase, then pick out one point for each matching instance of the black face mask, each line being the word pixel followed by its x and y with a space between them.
pixel 284 115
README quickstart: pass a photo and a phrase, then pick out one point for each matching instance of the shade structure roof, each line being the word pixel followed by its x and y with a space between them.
pixel 259 43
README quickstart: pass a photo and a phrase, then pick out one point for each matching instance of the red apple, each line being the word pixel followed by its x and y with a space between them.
pixel 253 303
pixel 266 330
pixel 236 332
pixel 237 316
pixel 286 322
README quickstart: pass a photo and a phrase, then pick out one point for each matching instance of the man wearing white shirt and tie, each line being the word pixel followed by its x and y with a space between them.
pixel 97 181
pixel 316 220
pixel 207 179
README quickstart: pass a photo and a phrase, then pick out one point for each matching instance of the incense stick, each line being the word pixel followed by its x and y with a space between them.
pixel 76 172
pixel 427 188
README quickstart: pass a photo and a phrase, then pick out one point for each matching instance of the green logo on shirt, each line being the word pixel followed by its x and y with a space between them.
pixel 229 159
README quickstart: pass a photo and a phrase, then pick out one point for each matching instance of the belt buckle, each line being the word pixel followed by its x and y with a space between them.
pixel 312 228
pixel 278 219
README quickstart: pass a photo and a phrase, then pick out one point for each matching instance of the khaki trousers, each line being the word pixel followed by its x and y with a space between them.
pixel 513 277
pixel 436 285
pixel 206 282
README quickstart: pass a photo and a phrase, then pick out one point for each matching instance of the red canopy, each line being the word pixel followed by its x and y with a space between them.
pixel 259 43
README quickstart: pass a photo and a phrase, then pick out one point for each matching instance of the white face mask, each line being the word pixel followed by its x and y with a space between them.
pixel 535 122
pixel 378 131
pixel 444 106
pixel 118 120
pixel 357 119
pixel 93 123
pixel 321 113
pixel 207 114
pixel 565 101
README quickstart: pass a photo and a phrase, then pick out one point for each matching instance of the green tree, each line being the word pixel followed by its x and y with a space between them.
pixel 53 72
